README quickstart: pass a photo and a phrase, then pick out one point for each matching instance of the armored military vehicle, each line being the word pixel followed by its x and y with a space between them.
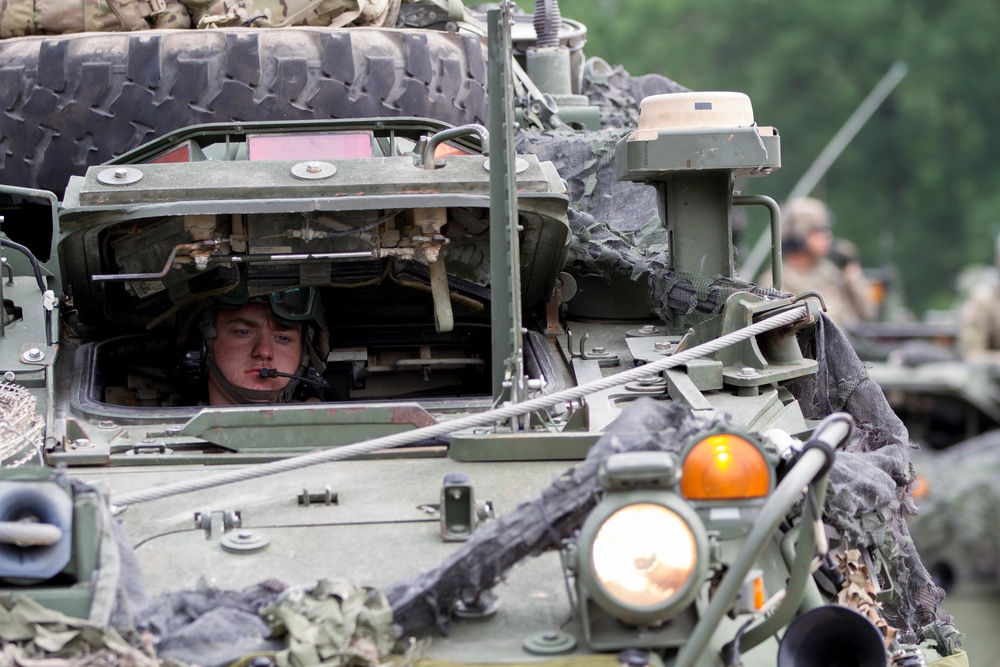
pixel 700 470
pixel 951 407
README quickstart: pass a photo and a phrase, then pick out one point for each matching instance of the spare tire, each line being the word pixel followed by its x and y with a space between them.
pixel 77 100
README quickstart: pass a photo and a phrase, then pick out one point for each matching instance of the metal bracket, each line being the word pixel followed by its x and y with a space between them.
pixel 218 522
pixel 326 497
pixel 460 513
pixel 599 354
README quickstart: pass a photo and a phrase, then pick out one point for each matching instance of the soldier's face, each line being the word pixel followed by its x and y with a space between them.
pixel 819 242
pixel 250 339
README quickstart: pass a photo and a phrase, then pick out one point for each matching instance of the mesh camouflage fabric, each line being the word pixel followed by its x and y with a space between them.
pixel 693 298
pixel 616 225
pixel 532 528
pixel 870 485
pixel 617 231
pixel 867 501
pixel 868 498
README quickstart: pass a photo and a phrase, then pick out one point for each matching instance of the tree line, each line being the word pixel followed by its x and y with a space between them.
pixel 917 188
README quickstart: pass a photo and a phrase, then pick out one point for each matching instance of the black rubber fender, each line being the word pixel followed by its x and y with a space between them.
pixel 77 100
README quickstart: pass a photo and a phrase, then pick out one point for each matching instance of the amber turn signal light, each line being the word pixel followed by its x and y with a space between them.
pixel 725 467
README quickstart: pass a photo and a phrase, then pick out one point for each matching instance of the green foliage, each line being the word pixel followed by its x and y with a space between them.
pixel 917 186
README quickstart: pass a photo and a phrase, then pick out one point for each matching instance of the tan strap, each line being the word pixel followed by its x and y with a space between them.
pixel 343 19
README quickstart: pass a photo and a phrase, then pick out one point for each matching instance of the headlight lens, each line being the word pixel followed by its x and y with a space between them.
pixel 725 467
pixel 643 555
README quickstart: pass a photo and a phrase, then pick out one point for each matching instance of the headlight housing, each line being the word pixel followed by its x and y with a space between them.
pixel 643 554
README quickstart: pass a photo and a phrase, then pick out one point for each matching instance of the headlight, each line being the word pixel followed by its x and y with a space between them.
pixel 725 467
pixel 642 556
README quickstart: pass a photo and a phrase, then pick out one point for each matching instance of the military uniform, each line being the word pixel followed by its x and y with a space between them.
pixel 979 319
pixel 807 241
pixel 845 293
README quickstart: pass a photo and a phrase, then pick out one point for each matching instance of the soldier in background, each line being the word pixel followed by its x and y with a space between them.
pixel 806 242
pixel 979 317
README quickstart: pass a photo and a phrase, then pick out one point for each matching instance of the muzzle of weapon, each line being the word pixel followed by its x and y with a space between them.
pixel 831 636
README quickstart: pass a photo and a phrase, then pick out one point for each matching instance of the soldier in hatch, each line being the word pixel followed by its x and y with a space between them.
pixel 979 317
pixel 806 241
pixel 262 349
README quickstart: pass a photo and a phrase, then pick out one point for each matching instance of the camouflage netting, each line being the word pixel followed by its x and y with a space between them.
pixel 871 483
pixel 532 528
pixel 616 230
pixel 616 224
pixel 867 502
pixel 868 499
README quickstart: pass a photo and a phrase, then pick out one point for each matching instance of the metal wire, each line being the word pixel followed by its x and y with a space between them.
pixel 21 426
pixel 482 419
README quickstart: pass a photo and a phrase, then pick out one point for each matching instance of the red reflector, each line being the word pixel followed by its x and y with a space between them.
pixel 309 146
pixel 446 149
pixel 180 153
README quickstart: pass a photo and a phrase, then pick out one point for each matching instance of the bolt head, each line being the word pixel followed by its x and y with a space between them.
pixel 121 173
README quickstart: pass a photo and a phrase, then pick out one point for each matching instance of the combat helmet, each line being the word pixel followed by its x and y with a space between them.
pixel 802 215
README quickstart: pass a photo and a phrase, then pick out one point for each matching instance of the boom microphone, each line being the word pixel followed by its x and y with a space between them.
pixel 275 373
